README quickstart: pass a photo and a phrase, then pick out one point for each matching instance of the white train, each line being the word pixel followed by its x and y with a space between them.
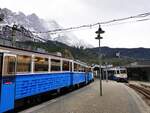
pixel 118 74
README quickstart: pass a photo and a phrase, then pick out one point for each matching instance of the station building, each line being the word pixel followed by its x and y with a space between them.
pixel 139 71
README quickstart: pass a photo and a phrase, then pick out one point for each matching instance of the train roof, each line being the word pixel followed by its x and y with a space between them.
pixel 10 48
pixel 117 68
pixel 15 50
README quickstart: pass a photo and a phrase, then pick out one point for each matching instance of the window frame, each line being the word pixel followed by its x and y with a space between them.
pixel 123 71
pixel 34 63
pixel 51 66
pixel 3 65
pixel 63 65
pixel 30 63
pixel 79 67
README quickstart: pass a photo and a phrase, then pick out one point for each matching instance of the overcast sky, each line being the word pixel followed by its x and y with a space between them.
pixel 70 13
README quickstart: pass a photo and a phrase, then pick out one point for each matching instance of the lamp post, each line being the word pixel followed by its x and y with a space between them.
pixel 14 29
pixel 98 32
pixel 106 72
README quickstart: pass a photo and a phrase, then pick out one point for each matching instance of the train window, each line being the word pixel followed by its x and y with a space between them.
pixel 55 65
pixel 9 65
pixel 88 69
pixel 81 69
pixel 65 66
pixel 77 67
pixel 117 72
pixel 70 66
pixel 84 69
pixel 40 64
pixel 122 71
pixel 23 63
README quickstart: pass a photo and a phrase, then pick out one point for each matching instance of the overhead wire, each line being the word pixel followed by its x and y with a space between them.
pixel 142 15
pixel 104 23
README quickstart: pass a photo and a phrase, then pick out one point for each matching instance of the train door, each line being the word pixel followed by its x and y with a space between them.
pixel 8 82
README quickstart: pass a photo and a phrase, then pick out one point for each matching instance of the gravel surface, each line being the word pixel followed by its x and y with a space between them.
pixel 117 98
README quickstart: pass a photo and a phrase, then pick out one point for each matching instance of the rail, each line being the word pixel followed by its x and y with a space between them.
pixel 141 90
pixel 146 86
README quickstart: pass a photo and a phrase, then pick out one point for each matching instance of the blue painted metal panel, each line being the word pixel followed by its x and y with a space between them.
pixel 28 85
pixel 78 77
pixel 90 74
pixel 114 78
pixel 7 94
pixel 86 77
pixel 0 92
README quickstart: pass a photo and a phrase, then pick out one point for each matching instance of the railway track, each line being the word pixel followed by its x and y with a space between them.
pixel 146 86
pixel 141 90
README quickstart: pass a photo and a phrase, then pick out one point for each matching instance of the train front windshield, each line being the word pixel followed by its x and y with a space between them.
pixel 123 71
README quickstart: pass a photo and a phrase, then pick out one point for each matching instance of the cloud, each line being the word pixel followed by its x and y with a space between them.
pixel 70 13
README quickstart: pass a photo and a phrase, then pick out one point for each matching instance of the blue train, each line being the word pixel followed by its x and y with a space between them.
pixel 25 73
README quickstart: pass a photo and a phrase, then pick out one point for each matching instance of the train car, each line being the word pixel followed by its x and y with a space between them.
pixel 25 73
pixel 120 74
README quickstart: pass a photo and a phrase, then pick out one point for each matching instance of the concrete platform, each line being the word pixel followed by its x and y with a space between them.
pixel 117 98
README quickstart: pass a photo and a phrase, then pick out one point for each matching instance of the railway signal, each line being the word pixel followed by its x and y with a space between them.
pixel 98 32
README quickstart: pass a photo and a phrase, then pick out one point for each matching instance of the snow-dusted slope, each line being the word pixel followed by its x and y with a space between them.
pixel 65 37
pixel 34 23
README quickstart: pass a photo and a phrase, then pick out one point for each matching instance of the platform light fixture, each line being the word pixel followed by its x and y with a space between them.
pixel 98 32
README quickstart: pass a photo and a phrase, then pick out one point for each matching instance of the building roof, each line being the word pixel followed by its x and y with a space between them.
pixel 139 64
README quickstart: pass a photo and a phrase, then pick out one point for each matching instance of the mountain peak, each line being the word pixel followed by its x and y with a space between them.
pixel 34 23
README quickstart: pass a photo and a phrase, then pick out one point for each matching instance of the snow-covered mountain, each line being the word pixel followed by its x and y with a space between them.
pixel 65 37
pixel 31 22
pixel 34 23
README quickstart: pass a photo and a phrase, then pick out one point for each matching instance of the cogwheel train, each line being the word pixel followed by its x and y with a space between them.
pixel 25 73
